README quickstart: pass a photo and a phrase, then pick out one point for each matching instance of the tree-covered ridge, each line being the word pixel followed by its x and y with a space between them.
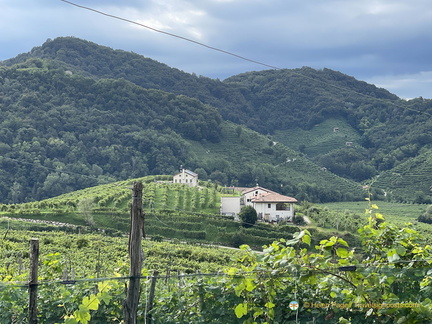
pixel 90 59
pixel 385 131
pixel 105 129
pixel 305 97
pixel 265 100
pixel 36 83
pixel 107 84
pixel 271 100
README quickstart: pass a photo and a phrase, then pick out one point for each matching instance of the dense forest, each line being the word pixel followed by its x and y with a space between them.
pixel 76 114
pixel 55 121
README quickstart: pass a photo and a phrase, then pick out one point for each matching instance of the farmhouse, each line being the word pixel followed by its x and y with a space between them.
pixel 270 206
pixel 186 177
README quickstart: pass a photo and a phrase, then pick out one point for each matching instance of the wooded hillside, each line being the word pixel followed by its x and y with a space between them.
pixel 75 114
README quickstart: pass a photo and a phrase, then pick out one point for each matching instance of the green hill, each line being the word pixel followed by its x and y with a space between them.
pixel 172 211
pixel 62 132
pixel 331 134
pixel 75 114
pixel 256 159
pixel 410 181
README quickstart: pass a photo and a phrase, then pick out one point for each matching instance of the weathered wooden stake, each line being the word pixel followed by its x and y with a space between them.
pixel 136 255
pixel 33 281
pixel 150 300
pixel 201 292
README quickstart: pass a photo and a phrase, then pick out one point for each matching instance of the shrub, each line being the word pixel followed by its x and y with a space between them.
pixel 82 242
pixel 299 220
pixel 426 217
pixel 248 216
pixel 157 238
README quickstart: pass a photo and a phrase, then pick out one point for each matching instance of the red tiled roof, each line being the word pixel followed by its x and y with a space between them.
pixel 256 188
pixel 273 197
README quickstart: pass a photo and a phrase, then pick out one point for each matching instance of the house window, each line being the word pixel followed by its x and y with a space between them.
pixel 268 205
pixel 282 206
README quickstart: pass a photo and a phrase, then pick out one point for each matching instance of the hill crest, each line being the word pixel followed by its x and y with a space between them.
pixel 68 78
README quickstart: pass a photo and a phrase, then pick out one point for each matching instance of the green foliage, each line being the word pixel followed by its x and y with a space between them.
pixel 99 115
pixel 350 213
pixel 85 206
pixel 248 216
pixel 382 279
pixel 128 132
pixel 91 303
pixel 298 220
pixel 426 217
pixel 387 280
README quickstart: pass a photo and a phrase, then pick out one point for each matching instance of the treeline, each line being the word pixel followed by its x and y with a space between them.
pixel 392 130
pixel 52 121
pixel 269 100
pixel 96 92
pixel 92 60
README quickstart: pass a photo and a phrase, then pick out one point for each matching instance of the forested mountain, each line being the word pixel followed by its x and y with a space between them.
pixel 76 114
pixel 107 129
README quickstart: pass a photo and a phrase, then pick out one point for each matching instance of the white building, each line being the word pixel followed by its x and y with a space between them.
pixel 270 206
pixel 230 206
pixel 186 177
pixel 273 207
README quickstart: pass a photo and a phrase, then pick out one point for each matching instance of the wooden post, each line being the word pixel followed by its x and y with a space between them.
pixel 201 294
pixel 33 282
pixel 150 300
pixel 136 255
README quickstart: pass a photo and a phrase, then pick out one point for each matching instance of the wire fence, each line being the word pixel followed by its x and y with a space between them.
pixel 197 298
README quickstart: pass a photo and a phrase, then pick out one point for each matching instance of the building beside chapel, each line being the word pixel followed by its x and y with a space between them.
pixel 269 205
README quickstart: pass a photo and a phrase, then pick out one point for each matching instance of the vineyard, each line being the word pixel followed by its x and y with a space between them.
pixel 105 206
pixel 86 260
pixel 409 180
pixel 333 274
pixel 159 193
pixel 330 135
pixel 349 216
pixel 279 161
pixel 173 211
pixel 83 279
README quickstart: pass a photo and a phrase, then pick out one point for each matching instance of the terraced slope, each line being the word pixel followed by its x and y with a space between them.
pixel 409 180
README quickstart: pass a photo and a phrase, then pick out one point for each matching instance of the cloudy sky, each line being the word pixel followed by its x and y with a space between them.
pixel 385 42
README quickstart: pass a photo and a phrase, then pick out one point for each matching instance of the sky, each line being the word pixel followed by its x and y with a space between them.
pixel 384 42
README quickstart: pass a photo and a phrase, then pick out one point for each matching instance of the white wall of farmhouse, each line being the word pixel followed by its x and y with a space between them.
pixel 230 206
pixel 253 193
pixel 186 177
pixel 274 212
pixel 269 205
